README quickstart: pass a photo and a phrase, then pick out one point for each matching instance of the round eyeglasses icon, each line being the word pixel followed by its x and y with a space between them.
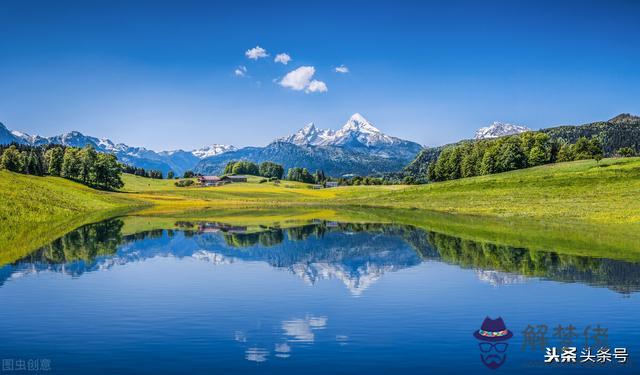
pixel 500 347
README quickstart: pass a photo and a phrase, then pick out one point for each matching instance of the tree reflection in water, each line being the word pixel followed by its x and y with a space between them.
pixel 359 252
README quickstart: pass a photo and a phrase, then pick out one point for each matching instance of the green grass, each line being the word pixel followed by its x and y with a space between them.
pixel 581 207
pixel 42 199
pixel 37 210
pixel 604 193
pixel 166 197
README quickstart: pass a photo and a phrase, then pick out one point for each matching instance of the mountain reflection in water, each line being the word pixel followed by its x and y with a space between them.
pixel 356 254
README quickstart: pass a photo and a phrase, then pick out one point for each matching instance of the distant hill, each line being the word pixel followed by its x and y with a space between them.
pixel 620 131
pixel 357 148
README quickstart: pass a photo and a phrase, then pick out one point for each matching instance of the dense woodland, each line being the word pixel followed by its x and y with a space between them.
pixel 508 153
pixel 84 165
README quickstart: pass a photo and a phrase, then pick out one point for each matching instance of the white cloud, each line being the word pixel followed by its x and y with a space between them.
pixel 342 69
pixel 282 58
pixel 300 79
pixel 256 53
pixel 240 71
pixel 316 86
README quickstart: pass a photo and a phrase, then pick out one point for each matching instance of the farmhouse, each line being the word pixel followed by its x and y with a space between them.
pixel 218 181
pixel 209 180
pixel 331 184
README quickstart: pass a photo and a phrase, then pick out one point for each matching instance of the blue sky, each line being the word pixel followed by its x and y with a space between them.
pixel 161 74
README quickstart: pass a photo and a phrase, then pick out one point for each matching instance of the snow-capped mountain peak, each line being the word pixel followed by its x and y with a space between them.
pixel 357 122
pixel 309 128
pixel 308 135
pixel 500 129
pixel 211 150
pixel 357 131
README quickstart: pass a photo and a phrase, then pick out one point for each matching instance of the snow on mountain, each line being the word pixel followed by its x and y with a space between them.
pixel 309 135
pixel 358 148
pixel 211 150
pixel 357 131
pixel 30 139
pixel 499 129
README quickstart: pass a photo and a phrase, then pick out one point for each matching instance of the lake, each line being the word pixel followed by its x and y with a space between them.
pixel 324 297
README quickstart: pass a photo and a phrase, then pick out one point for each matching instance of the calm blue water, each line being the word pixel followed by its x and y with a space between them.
pixel 323 298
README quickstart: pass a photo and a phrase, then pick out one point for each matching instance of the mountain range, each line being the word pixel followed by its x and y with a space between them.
pixel 165 161
pixel 357 148
pixel 357 131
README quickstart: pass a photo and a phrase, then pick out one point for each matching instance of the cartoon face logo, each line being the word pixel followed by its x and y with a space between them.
pixel 493 335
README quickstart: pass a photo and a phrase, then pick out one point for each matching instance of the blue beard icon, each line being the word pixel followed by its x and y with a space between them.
pixel 493 361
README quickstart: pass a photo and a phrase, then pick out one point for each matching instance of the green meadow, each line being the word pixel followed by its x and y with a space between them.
pixel 36 210
pixel 581 208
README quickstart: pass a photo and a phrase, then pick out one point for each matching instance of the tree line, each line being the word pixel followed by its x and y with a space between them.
pixel 273 170
pixel 151 173
pixel 83 165
pixel 265 169
pixel 508 153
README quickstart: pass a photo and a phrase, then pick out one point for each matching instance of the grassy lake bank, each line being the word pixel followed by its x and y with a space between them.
pixel 580 208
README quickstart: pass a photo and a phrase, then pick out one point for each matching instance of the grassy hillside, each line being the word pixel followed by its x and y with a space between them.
pixel 605 192
pixel 36 210
pixel 42 199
